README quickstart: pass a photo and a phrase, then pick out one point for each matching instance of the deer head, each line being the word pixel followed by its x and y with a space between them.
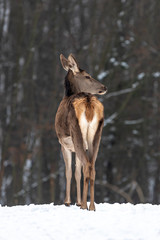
pixel 79 80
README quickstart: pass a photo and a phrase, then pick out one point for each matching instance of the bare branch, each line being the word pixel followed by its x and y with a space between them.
pixel 116 189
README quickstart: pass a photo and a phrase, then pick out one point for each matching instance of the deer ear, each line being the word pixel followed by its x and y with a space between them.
pixel 65 63
pixel 73 63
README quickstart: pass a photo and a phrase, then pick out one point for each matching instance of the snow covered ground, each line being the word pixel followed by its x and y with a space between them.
pixel 109 222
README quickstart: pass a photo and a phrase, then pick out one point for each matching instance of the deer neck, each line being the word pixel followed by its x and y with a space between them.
pixel 70 87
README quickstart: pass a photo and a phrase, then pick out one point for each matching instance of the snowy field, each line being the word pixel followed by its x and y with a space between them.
pixel 109 222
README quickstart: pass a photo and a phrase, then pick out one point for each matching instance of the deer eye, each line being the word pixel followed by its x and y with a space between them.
pixel 87 77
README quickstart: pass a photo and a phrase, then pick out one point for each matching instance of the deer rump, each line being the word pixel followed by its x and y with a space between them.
pixel 85 111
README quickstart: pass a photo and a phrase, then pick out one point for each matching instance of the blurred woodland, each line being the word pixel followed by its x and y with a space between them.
pixel 118 43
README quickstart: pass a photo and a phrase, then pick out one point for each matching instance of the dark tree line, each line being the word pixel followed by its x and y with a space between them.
pixel 118 43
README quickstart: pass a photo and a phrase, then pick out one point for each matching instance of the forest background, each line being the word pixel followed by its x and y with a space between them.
pixel 118 43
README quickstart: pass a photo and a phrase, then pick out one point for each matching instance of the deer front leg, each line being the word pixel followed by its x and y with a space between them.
pixel 78 180
pixel 68 161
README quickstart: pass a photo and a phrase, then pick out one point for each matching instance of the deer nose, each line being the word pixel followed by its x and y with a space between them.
pixel 103 90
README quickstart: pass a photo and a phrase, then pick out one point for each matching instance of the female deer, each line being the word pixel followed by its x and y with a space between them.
pixel 78 124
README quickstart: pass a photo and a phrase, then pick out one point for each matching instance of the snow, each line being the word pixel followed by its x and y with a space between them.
pixel 110 119
pixel 21 61
pixel 132 122
pixel 125 65
pixel 123 91
pixel 141 76
pixel 109 222
pixel 6 16
pixel 156 74
pixel 102 75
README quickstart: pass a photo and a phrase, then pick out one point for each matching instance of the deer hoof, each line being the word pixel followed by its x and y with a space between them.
pixel 92 207
pixel 84 206
pixel 67 204
pixel 78 204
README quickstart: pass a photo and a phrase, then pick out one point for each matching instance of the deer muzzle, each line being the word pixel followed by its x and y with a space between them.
pixel 102 91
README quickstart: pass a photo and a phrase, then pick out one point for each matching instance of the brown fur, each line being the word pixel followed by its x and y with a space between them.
pixel 89 106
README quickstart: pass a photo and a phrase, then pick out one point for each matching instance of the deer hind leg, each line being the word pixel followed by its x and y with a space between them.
pixel 93 147
pixel 67 155
pixel 82 156
pixel 81 153
pixel 86 176
pixel 78 180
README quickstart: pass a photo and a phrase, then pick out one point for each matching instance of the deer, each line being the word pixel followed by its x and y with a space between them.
pixel 78 125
